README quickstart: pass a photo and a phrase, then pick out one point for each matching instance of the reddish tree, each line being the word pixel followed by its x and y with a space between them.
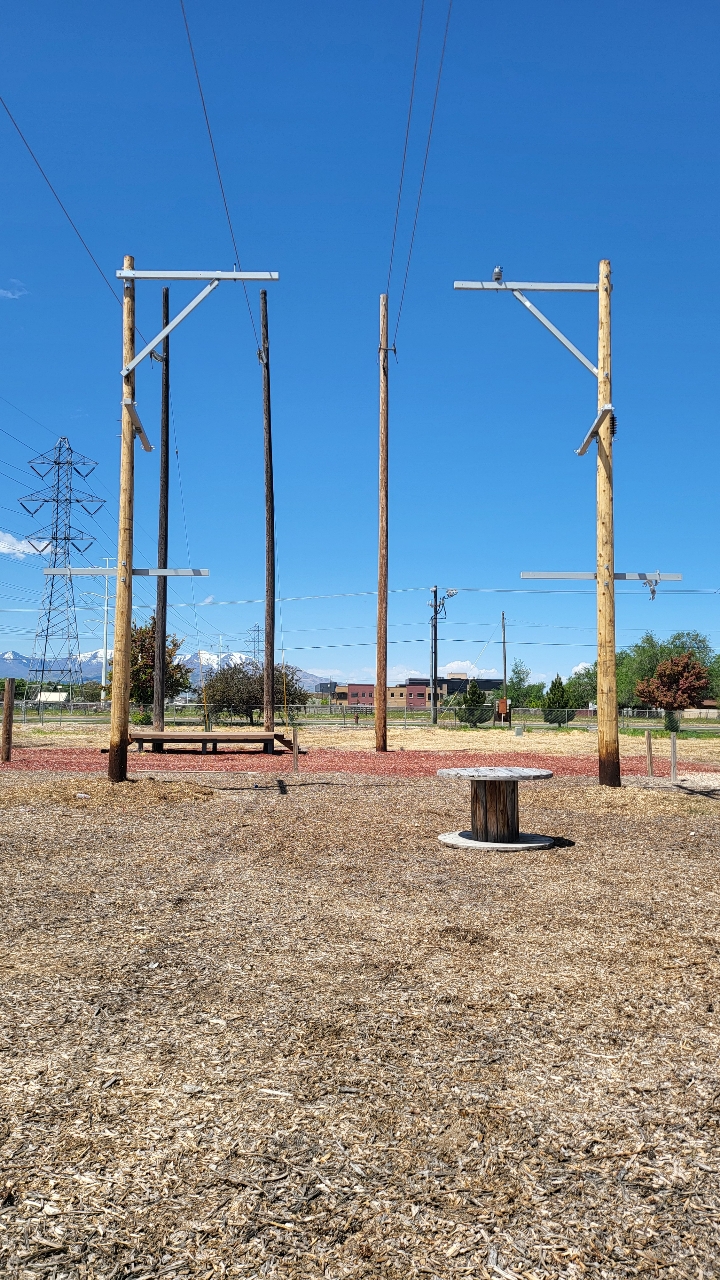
pixel 678 683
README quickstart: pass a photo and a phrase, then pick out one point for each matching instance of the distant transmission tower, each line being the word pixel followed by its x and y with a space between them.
pixel 56 651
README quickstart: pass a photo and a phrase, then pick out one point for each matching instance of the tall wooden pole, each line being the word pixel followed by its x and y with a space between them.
pixel 269 667
pixel 504 657
pixel 7 719
pixel 120 708
pixel 433 656
pixel 161 599
pixel 381 676
pixel 608 740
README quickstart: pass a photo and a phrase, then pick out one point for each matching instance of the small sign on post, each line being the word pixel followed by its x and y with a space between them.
pixel 7 720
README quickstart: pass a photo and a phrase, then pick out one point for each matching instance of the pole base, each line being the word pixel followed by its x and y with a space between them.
pixel 465 840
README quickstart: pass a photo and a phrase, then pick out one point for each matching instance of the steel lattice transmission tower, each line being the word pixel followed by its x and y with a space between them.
pixel 56 651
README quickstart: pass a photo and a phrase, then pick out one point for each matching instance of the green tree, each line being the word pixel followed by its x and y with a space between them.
pixel 520 691
pixel 679 682
pixel 91 691
pixel 581 687
pixel 556 704
pixel 238 689
pixel 640 661
pixel 473 709
pixel 142 665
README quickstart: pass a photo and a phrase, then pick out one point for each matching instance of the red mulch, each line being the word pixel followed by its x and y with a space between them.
pixel 400 764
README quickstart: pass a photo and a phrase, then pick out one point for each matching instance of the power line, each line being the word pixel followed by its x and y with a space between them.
pixel 217 166
pixel 407 140
pixel 424 169
pixel 83 242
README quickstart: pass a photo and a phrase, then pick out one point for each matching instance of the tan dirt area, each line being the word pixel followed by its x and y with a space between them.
pixel 535 741
pixel 270 1027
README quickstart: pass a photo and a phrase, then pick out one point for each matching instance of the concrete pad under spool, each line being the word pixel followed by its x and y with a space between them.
pixel 464 840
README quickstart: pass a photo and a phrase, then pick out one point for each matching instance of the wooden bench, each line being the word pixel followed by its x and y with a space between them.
pixel 159 739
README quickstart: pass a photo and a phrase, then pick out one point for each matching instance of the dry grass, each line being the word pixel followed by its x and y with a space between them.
pixel 577 742
pixel 279 1030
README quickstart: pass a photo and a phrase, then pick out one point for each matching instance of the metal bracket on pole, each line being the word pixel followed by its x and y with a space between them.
pixel 138 426
pixel 606 410
pixel 136 573
pixel 169 327
pixel 556 332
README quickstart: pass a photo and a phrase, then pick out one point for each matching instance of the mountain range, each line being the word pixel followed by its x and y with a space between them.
pixel 17 664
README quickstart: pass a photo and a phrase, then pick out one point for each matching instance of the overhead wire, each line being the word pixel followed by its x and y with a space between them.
pixel 407 141
pixel 217 166
pixel 83 242
pixel 424 171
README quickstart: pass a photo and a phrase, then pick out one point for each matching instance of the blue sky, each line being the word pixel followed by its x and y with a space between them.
pixel 563 134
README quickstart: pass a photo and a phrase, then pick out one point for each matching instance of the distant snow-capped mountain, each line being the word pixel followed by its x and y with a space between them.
pixel 17 664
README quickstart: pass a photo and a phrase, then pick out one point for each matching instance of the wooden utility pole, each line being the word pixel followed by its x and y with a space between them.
pixel 7 719
pixel 504 658
pixel 381 676
pixel 120 707
pixel 607 711
pixel 433 657
pixel 269 668
pixel 162 563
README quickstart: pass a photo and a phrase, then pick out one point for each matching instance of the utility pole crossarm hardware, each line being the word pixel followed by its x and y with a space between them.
pixel 136 573
pixel 526 285
pixel 555 332
pixel 169 327
pixel 137 424
pixel 592 434
pixel 200 275
pixel 619 577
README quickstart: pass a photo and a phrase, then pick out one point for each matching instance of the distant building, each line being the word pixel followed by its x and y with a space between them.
pixel 361 695
pixel 326 686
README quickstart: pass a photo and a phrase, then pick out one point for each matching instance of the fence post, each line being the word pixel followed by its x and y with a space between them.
pixel 648 752
pixel 7 719
pixel 673 757
pixel 295 749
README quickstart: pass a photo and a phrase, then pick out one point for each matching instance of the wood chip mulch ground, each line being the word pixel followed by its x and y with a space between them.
pixel 271 1027
pixel 400 764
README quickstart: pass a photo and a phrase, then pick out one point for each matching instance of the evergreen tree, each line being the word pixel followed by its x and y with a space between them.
pixel 581 687
pixel 473 709
pixel 556 704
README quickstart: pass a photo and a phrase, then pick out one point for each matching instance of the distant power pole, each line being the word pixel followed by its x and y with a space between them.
pixel 433 656
pixel 504 658
pixel 382 605
pixel 163 520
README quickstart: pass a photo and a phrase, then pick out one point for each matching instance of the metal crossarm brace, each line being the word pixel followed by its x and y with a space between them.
pixel 592 433
pixel 556 332
pixel 169 327
pixel 137 424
